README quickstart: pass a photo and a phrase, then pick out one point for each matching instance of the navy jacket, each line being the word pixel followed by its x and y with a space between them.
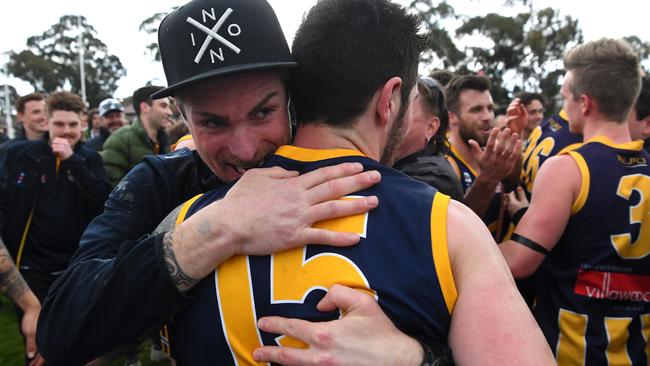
pixel 73 193
pixel 116 289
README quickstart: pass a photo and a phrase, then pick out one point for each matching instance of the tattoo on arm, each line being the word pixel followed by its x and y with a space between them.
pixel 182 281
pixel 12 283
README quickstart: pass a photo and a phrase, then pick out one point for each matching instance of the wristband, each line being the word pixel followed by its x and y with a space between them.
pixel 518 215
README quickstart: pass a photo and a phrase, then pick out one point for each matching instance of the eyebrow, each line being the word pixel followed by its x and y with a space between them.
pixel 264 100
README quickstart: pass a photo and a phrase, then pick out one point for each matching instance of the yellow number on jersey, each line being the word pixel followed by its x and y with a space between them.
pixel 292 278
pixel 531 156
pixel 639 214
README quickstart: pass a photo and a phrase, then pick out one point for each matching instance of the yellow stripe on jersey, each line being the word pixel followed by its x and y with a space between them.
pixel 645 330
pixel 460 157
pixel 564 115
pixel 309 155
pixel 571 344
pixel 571 147
pixel 439 250
pixel 618 334
pixel 584 185
pixel 185 208
pixel 454 166
pixel 632 145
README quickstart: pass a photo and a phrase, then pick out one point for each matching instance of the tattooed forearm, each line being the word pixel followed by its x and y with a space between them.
pixel 12 283
pixel 182 281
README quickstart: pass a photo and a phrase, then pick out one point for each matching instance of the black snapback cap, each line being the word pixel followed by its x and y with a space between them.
pixel 210 38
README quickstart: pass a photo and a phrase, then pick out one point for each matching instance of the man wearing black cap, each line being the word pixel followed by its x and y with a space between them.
pixel 121 284
pixel 111 119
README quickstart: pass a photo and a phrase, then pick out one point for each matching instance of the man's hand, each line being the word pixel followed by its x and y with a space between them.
pixel 500 155
pixel 267 211
pixel 515 201
pixel 516 116
pixel 28 328
pixel 61 148
pixel 363 336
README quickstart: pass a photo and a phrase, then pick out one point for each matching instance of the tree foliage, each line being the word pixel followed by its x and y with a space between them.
pixel 150 27
pixel 51 60
pixel 519 52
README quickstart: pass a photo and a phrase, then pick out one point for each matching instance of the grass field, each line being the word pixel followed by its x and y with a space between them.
pixel 11 343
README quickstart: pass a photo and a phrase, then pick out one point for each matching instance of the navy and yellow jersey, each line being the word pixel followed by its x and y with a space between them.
pixel 401 260
pixel 467 176
pixel 550 138
pixel 593 301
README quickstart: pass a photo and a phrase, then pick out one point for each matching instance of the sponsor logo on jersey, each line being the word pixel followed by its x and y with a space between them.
pixel 613 286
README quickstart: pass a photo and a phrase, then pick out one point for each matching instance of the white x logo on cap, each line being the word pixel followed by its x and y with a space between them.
pixel 212 34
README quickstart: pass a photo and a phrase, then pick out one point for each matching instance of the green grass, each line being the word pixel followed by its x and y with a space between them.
pixel 12 348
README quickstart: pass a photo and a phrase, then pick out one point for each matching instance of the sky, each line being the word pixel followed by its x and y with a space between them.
pixel 117 22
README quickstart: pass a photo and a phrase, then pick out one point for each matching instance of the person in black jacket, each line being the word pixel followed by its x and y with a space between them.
pixel 422 152
pixel 50 190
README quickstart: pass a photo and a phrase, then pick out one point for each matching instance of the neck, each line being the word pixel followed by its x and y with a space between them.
pixel 617 132
pixel 463 148
pixel 321 136
pixel 151 132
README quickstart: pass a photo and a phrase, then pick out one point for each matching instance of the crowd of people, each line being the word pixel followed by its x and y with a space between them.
pixel 324 204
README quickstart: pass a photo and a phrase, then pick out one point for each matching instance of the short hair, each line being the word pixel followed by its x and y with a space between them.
pixel 608 71
pixel 22 101
pixel 65 101
pixel 346 50
pixel 643 101
pixel 527 98
pixel 464 82
pixel 432 95
pixel 143 95
pixel 443 76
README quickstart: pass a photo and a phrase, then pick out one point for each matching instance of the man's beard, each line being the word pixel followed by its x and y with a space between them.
pixel 467 134
pixel 395 137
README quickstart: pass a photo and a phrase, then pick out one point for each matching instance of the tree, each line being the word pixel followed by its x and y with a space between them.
pixel 150 27
pixel 642 48
pixel 52 60
pixel 519 52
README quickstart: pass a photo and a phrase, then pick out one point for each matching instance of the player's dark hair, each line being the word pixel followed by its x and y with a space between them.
pixel 443 76
pixel 346 50
pixel 433 100
pixel 464 82
pixel 527 98
pixel 643 102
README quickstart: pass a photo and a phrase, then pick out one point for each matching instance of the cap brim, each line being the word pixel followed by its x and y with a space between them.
pixel 111 110
pixel 169 92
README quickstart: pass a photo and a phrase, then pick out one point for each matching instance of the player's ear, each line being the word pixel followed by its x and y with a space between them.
pixel 388 100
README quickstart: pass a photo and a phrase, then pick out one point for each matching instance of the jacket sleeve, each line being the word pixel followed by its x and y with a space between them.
pixel 90 176
pixel 116 288
pixel 115 154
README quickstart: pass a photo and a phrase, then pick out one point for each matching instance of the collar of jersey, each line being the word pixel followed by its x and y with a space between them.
pixel 563 115
pixel 310 155
pixel 632 145
pixel 456 153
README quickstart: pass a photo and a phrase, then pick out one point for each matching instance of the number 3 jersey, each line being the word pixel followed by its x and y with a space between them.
pixel 594 287
pixel 401 260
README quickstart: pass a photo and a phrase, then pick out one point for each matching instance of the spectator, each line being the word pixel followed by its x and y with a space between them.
pixel 111 117
pixel 50 189
pixel 93 124
pixel 146 136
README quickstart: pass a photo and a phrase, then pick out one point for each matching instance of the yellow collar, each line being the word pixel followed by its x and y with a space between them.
pixel 632 145
pixel 309 155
